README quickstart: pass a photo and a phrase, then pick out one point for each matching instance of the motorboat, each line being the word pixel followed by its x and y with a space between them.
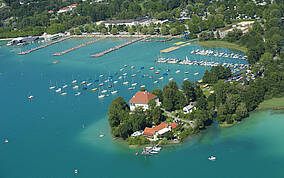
pixel 186 72
pixel 62 94
pixel 94 89
pixel 154 152
pixel 101 75
pixel 31 97
pixel 89 84
pixel 101 96
pixel 75 87
pixel 196 73
pixel 120 77
pixel 170 79
pixel 74 81
pixel 58 90
pixel 64 86
pixel 133 75
pixel 114 92
pixel 157 148
pixel 185 79
pixel 104 91
pixel 212 158
pixel 102 135
pixel 178 71
pixel 101 84
pixel 52 87
pixel 155 81
pixel 151 68
pixel 115 82
pixel 124 74
pixel 125 83
pixel 6 141
pixel 83 82
pixel 133 84
pixel 77 94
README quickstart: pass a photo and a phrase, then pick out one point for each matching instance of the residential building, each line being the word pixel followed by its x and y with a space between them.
pixel 141 99
pixel 189 108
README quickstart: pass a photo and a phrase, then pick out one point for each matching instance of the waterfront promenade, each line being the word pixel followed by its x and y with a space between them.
pixel 76 47
pixel 43 46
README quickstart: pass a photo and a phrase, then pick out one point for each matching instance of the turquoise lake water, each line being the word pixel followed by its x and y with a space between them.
pixel 46 137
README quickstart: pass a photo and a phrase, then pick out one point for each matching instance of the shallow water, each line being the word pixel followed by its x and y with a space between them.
pixel 47 138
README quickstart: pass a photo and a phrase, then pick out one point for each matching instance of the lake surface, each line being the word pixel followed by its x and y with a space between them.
pixel 52 135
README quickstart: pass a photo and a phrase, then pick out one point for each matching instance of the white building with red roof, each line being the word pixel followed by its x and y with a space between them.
pixel 141 99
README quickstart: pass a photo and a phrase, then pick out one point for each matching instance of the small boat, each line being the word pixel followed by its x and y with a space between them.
pixel 178 71
pixel 75 87
pixel 131 88
pixel 94 89
pixel 125 83
pixel 132 67
pixel 77 94
pixel 154 152
pixel 101 96
pixel 185 79
pixel 58 90
pixel 6 141
pixel 64 86
pixel 101 84
pixel 83 82
pixel 133 75
pixel 196 73
pixel 76 171
pixel 115 82
pixel 101 75
pixel 124 74
pixel 114 92
pixel 62 94
pixel 102 135
pixel 74 81
pixel 161 78
pixel 52 87
pixel 31 97
pixel 89 84
pixel 104 91
pixel 151 68
pixel 170 79
pixel 156 81
pixel 55 62
pixel 168 70
pixel 157 72
pixel 125 65
pixel 120 77
pixel 133 84
pixel 186 72
pixel 212 158
pixel 157 148
pixel 142 86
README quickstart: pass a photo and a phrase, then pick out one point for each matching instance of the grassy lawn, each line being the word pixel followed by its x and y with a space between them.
pixel 222 44
pixel 274 103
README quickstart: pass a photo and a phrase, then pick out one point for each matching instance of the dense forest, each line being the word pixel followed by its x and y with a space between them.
pixel 32 17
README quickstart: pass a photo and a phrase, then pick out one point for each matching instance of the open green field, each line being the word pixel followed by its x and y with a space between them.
pixel 274 103
pixel 222 44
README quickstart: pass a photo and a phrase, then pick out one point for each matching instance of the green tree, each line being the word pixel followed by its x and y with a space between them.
pixel 189 91
pixel 114 31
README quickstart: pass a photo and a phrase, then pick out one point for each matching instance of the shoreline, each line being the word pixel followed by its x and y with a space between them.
pixel 222 44
pixel 125 36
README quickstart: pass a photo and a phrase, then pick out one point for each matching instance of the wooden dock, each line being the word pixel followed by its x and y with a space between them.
pixel 43 46
pixel 169 49
pixel 116 48
pixel 76 47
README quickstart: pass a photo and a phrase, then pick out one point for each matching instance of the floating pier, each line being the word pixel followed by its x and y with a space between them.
pixel 116 47
pixel 76 47
pixel 43 46
pixel 169 49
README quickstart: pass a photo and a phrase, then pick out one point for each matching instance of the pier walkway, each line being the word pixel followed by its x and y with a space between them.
pixel 116 47
pixel 43 46
pixel 76 47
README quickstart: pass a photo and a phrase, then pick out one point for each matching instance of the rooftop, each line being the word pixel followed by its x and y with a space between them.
pixel 142 97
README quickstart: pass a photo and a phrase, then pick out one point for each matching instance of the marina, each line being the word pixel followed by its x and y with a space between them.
pixel 76 47
pixel 44 46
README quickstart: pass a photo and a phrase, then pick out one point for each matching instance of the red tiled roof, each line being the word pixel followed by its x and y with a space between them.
pixel 51 11
pixel 142 97
pixel 174 125
pixel 151 131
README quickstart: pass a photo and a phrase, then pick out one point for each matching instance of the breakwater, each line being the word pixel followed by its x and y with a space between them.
pixel 76 47
pixel 43 46
pixel 116 48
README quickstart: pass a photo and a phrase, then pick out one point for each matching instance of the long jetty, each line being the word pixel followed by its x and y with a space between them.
pixel 76 47
pixel 43 46
pixel 116 48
